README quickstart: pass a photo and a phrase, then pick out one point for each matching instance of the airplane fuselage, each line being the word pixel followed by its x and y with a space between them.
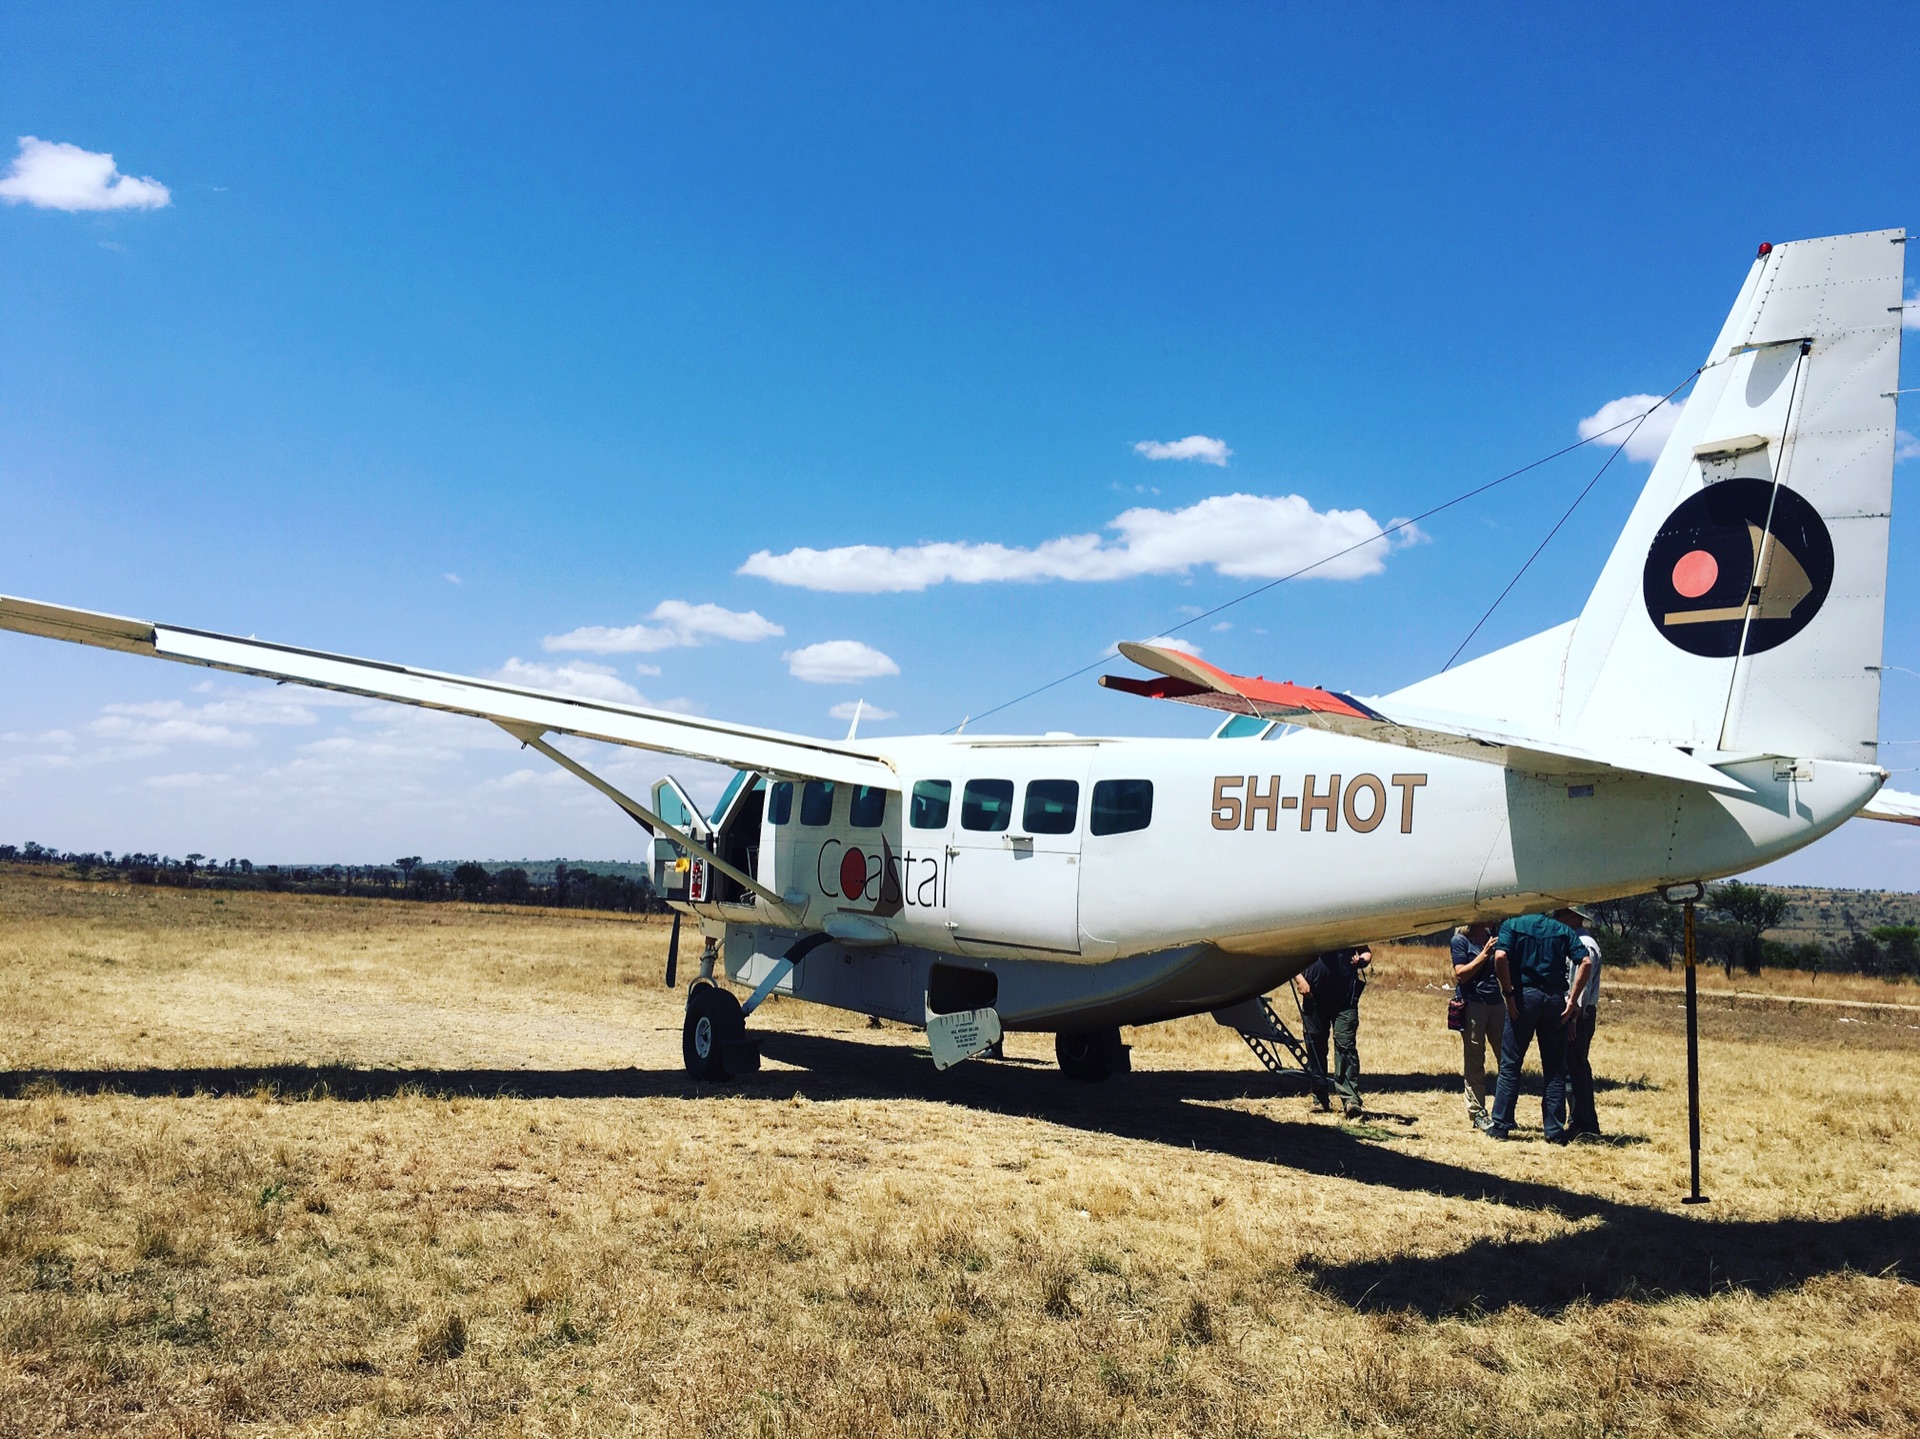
pixel 1040 853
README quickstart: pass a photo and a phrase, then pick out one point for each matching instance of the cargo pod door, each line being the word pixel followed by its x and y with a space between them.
pixel 1014 860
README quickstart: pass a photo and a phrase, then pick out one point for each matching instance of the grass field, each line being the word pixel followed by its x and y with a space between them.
pixel 320 1166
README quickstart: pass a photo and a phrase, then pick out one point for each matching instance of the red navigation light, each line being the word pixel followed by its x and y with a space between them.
pixel 1765 250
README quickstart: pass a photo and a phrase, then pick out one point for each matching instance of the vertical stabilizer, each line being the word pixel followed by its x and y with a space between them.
pixel 1743 606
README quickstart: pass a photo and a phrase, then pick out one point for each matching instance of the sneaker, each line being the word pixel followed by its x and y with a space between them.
pixel 1563 1137
pixel 1322 1104
pixel 1354 1111
pixel 1494 1131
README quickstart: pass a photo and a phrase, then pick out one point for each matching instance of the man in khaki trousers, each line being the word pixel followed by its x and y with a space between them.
pixel 1483 1021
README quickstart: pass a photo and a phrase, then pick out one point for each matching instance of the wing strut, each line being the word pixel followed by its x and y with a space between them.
pixel 529 736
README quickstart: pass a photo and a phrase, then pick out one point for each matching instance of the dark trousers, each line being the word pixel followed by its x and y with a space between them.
pixel 1539 1016
pixel 1344 1026
pixel 1580 1071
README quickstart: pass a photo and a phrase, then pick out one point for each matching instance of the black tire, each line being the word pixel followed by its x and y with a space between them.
pixel 713 1019
pixel 1091 1055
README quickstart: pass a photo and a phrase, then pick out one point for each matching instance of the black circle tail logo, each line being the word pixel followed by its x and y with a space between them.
pixel 1714 572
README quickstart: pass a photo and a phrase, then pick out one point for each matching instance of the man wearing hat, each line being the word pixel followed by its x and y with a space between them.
pixel 1586 1012
pixel 1533 956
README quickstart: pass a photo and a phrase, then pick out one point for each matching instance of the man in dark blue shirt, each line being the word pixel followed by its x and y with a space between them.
pixel 1538 960
pixel 1330 1006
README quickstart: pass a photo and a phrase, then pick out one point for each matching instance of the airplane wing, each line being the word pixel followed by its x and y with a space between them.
pixel 1193 681
pixel 1891 804
pixel 739 746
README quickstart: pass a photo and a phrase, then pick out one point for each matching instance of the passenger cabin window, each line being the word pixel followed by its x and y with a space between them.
pixel 869 806
pixel 1120 806
pixel 1053 806
pixel 780 802
pixel 816 802
pixel 986 804
pixel 932 800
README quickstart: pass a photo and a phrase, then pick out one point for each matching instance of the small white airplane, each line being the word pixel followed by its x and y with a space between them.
pixel 1713 707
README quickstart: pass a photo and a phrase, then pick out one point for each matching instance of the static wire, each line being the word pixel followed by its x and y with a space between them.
pixel 1604 467
pixel 1634 421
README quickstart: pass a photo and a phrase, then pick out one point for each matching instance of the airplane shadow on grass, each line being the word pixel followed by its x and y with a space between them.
pixel 1619 1250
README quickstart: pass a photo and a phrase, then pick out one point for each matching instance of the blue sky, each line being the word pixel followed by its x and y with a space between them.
pixel 460 338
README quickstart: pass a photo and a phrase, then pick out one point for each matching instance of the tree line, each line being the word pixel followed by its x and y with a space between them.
pixel 1731 924
pixel 1730 929
pixel 407 878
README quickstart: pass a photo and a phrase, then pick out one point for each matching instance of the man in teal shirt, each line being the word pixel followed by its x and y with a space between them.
pixel 1540 963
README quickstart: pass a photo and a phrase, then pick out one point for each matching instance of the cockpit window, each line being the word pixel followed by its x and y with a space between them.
pixel 932 799
pixel 1121 806
pixel 986 804
pixel 1243 727
pixel 869 806
pixel 780 802
pixel 816 802
pixel 1053 806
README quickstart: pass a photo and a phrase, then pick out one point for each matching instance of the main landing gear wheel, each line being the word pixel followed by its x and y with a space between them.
pixel 714 1024
pixel 1092 1055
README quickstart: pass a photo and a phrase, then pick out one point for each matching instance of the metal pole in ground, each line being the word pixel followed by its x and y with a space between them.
pixel 1686 895
pixel 1693 1061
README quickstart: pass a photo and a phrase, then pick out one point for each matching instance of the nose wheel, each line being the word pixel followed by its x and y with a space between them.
pixel 714 1042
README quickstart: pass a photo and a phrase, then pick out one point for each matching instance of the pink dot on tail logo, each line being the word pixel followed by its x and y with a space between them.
pixel 853 874
pixel 1694 573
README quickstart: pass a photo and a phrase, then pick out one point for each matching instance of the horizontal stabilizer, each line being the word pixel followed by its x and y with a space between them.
pixel 1891 804
pixel 1193 681
pixel 738 746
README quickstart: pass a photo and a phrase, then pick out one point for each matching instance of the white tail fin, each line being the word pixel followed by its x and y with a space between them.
pixel 1743 606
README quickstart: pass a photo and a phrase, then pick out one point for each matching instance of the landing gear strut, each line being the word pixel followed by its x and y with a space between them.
pixel 1092 1055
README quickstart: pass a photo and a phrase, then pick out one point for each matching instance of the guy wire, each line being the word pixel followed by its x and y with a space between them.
pixel 1604 466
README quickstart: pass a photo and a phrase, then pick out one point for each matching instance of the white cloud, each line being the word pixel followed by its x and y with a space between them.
pixel 587 681
pixel 1910 317
pixel 1648 440
pixel 273 706
pixel 846 710
pixel 1173 642
pixel 227 720
pixel 1906 446
pixel 1245 536
pixel 136 731
pixel 678 625
pixel 191 779
pixel 833 662
pixel 1193 447
pixel 451 578
pixel 50 175
pixel 51 736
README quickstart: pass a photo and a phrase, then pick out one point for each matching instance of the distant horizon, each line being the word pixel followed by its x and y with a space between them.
pixel 646 867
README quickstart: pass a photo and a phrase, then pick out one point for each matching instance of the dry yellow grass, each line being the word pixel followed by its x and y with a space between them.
pixel 337 1167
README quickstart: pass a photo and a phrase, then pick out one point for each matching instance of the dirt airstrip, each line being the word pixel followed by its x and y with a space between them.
pixel 296 1165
